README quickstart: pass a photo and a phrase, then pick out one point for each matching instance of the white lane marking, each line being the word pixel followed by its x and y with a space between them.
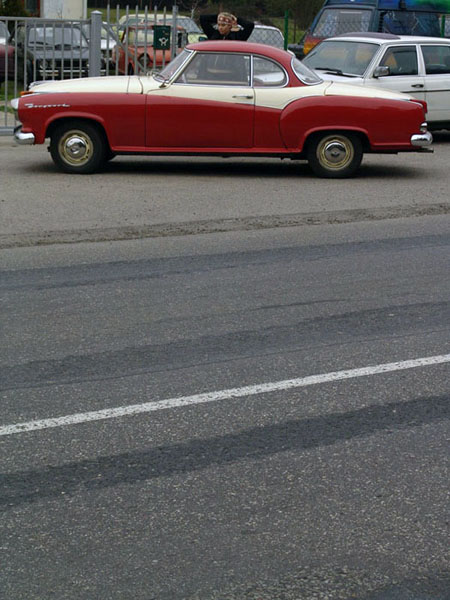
pixel 250 390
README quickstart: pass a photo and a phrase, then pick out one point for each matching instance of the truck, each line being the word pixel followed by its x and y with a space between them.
pixel 406 17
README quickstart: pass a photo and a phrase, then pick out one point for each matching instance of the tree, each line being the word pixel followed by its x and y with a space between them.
pixel 13 8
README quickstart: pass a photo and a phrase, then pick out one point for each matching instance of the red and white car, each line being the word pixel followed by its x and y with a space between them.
pixel 226 99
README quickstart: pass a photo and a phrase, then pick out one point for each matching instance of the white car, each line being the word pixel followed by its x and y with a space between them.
pixel 3 32
pixel 266 34
pixel 418 66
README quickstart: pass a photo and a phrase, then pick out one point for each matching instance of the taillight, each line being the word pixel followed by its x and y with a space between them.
pixel 422 102
pixel 309 43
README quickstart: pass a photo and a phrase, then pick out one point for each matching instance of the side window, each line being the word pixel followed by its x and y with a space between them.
pixel 437 59
pixel 217 69
pixel 267 73
pixel 401 60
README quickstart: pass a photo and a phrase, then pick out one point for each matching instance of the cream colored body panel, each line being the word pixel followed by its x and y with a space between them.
pixel 268 97
pixel 347 89
pixel 265 97
pixel 94 85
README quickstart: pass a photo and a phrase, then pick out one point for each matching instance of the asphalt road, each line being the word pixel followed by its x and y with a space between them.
pixel 146 196
pixel 323 488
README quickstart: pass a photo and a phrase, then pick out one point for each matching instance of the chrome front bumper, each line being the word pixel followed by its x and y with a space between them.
pixel 422 139
pixel 24 139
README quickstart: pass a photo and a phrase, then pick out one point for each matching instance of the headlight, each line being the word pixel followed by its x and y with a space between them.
pixel 15 105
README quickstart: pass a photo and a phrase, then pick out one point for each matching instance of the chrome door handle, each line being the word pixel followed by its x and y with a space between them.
pixel 417 85
pixel 243 96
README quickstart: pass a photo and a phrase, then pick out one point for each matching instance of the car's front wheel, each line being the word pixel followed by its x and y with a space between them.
pixel 78 147
pixel 334 154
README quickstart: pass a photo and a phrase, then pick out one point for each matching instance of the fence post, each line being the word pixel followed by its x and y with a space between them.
pixel 174 41
pixel 95 44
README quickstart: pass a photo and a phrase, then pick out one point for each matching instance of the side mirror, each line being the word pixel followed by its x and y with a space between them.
pixel 381 72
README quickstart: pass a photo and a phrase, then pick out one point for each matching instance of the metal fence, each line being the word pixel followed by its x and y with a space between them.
pixel 126 42
pixel 35 49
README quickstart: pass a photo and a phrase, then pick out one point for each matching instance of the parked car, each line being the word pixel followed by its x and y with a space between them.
pixel 108 40
pixel 136 51
pixel 194 32
pixel 214 99
pixel 4 35
pixel 266 34
pixel 6 63
pixel 401 17
pixel 419 66
pixel 51 50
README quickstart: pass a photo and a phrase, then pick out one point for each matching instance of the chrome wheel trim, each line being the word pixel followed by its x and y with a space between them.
pixel 75 147
pixel 335 152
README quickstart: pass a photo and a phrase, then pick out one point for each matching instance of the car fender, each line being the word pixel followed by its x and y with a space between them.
pixel 382 121
pixel 39 113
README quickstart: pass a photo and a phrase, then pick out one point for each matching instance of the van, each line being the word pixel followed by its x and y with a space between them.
pixel 406 17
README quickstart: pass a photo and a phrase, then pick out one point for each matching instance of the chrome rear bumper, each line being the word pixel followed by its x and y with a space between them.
pixel 24 139
pixel 422 139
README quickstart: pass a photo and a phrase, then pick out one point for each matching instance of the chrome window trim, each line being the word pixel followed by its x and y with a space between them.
pixel 272 87
pixel 186 63
pixel 177 72
pixel 251 72
pixel 298 76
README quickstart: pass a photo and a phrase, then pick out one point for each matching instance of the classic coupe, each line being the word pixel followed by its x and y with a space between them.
pixel 224 99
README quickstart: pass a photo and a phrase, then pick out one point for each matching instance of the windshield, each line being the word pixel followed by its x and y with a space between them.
pixel 334 21
pixel 304 73
pixel 57 36
pixel 140 36
pixel 173 66
pixel 186 22
pixel 341 57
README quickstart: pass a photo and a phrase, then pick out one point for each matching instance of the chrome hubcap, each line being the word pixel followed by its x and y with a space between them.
pixel 75 148
pixel 335 152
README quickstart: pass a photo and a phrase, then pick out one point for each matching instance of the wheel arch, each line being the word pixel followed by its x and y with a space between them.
pixel 77 120
pixel 312 134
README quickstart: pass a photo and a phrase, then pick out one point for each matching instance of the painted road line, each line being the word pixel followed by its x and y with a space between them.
pixel 251 390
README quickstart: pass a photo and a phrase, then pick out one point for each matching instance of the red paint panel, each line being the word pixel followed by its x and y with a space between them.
pixel 190 123
pixel 388 124
pixel 107 109
pixel 267 128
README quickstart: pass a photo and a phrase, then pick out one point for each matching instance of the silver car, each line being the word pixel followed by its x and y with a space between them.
pixel 418 66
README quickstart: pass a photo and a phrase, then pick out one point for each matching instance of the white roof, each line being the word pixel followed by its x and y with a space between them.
pixel 389 38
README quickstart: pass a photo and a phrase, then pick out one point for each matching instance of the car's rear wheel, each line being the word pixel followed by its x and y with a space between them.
pixel 335 154
pixel 78 147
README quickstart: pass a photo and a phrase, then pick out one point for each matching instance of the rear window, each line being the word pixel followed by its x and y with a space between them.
pixel 411 23
pixel 304 73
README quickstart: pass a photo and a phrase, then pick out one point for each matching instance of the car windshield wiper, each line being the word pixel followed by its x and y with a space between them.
pixel 335 71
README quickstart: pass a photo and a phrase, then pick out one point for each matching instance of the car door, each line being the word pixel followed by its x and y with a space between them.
pixel 403 63
pixel 209 105
pixel 436 59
